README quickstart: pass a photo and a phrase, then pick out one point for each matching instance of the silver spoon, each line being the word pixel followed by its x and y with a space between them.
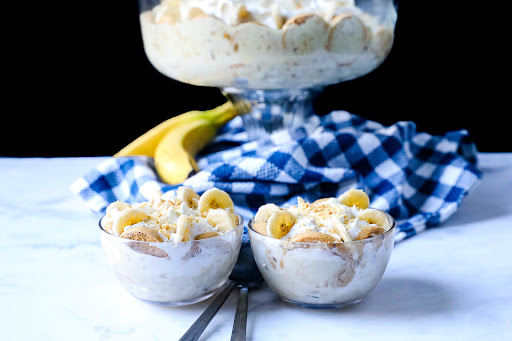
pixel 246 275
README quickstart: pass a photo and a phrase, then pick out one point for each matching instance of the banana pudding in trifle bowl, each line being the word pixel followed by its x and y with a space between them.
pixel 173 250
pixel 271 56
pixel 326 254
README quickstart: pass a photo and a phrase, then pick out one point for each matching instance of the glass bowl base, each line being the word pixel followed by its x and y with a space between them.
pixel 323 306
pixel 179 303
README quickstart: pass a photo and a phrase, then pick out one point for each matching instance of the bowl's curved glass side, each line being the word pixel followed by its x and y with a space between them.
pixel 322 275
pixel 173 273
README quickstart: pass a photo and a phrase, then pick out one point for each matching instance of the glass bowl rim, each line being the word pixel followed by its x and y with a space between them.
pixel 336 243
pixel 126 240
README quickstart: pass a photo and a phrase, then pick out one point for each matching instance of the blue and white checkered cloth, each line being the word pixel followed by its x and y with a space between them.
pixel 418 178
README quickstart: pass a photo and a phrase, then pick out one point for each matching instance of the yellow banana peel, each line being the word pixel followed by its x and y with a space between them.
pixel 175 153
pixel 146 144
pixel 175 142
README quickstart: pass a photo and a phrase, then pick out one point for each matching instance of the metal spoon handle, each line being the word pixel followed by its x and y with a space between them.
pixel 240 325
pixel 202 322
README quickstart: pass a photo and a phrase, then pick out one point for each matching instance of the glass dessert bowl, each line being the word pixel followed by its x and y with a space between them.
pixel 274 55
pixel 324 254
pixel 164 253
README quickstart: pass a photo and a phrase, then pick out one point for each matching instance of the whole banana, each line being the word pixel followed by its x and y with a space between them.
pixel 175 142
pixel 146 144
pixel 175 153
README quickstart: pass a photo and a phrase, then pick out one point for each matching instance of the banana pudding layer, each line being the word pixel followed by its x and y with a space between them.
pixel 174 251
pixel 265 44
pixel 325 254
pixel 184 218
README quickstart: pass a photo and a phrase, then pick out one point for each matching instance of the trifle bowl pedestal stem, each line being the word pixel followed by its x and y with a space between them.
pixel 270 111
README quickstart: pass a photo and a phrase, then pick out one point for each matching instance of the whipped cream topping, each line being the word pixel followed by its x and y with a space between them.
pixel 318 217
pixel 272 13
pixel 161 215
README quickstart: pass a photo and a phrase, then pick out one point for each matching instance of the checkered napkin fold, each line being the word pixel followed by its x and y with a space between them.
pixel 418 178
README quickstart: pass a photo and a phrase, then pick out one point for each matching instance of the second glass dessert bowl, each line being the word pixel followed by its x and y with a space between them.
pixel 322 275
pixel 275 55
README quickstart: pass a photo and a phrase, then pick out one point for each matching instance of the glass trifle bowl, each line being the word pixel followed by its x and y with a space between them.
pixel 276 55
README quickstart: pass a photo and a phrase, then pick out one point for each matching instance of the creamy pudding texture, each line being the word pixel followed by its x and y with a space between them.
pixel 173 273
pixel 319 273
pixel 264 44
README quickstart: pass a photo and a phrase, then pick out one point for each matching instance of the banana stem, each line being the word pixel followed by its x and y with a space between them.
pixel 222 114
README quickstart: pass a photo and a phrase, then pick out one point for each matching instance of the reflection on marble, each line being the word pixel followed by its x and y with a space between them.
pixel 451 282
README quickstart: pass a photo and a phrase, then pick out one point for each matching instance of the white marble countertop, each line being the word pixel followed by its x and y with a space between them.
pixel 448 283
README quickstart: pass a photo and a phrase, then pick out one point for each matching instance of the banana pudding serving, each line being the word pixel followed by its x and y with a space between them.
pixel 262 44
pixel 324 254
pixel 342 219
pixel 176 250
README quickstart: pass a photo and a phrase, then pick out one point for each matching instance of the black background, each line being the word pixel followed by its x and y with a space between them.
pixel 79 83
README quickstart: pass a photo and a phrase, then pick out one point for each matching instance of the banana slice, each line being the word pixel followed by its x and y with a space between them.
pixel 259 222
pixel 142 233
pixel 300 201
pixel 239 14
pixel 183 228
pixel 342 231
pixel 116 206
pixel 222 220
pixel 127 217
pixel 373 216
pixel 194 12
pixel 265 211
pixel 168 12
pixel 348 38
pixel 313 237
pixel 319 201
pixel 188 196
pixel 355 197
pixel 304 33
pixel 279 223
pixel 369 231
pixel 206 235
pixel 214 198
pixel 113 208
pixel 276 15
